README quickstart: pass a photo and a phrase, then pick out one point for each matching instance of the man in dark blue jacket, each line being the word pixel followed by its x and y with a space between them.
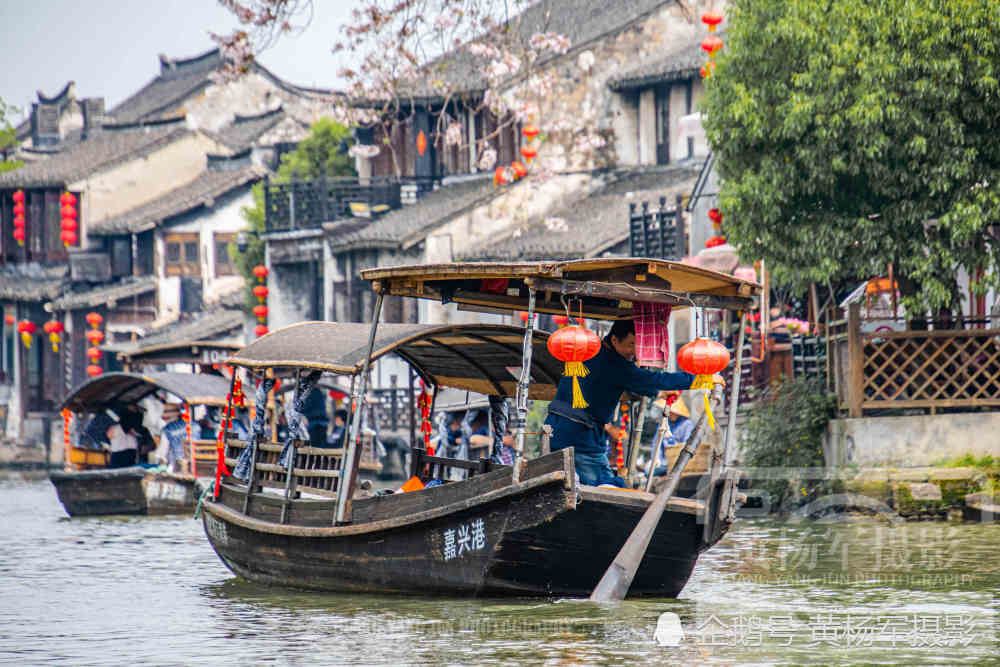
pixel 611 373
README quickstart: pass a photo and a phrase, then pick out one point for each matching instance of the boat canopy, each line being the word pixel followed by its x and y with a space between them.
pixel 182 352
pixel 484 358
pixel 600 288
pixel 115 388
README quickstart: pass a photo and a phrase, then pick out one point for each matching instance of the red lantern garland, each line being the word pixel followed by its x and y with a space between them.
pixel 19 222
pixel 66 417
pixel 575 345
pixel 424 403
pixel 94 336
pixel 712 43
pixel 260 330
pixel 260 291
pixel 715 241
pixel 421 143
pixel 27 330
pixel 69 224
pixel 703 358
pixel 620 458
pixel 711 19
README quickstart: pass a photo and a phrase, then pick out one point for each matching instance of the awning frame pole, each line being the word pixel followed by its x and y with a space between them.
pixel 349 468
pixel 523 385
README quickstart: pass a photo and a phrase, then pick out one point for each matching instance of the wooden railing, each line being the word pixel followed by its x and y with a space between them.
pixel 940 368
pixel 316 470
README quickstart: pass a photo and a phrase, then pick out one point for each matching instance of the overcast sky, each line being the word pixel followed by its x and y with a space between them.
pixel 111 47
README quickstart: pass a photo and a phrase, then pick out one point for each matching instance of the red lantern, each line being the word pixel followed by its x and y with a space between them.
pixel 18 222
pixel 8 319
pixel 53 328
pixel 711 44
pixel 524 316
pixel 260 330
pixel 561 320
pixel 703 357
pixel 19 209
pixel 575 345
pixel 27 330
pixel 68 237
pixel 421 143
pixel 94 354
pixel 530 131
pixel 708 69
pixel 94 319
pixel 499 176
pixel 67 199
pixel 260 311
pixel 520 171
pixel 19 196
pixel 69 212
pixel 68 225
pixel 711 19
pixel 260 291
pixel 261 272
pixel 19 235
pixel 94 370
pixel 715 215
pixel 529 154
pixel 715 241
pixel 95 336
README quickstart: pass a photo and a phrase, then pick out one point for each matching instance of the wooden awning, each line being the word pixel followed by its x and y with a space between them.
pixel 182 352
pixel 600 288
pixel 482 358
pixel 117 388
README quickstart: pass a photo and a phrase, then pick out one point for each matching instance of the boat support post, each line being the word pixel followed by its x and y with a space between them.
pixel 521 421
pixel 618 578
pixel 719 458
pixel 350 467
pixel 638 422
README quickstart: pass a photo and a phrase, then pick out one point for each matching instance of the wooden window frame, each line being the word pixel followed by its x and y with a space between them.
pixel 181 266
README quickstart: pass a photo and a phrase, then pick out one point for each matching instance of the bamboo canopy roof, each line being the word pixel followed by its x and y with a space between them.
pixel 116 388
pixel 599 288
pixel 484 358
pixel 183 351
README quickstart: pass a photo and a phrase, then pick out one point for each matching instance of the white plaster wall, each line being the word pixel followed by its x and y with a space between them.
pixel 700 142
pixel 223 219
pixel 114 191
pixel 678 108
pixel 625 109
pixel 911 441
pixel 647 126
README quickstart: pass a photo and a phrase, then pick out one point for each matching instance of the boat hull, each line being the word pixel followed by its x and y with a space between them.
pixel 538 538
pixel 131 490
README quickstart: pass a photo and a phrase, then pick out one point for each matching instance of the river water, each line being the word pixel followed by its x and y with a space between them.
pixel 130 591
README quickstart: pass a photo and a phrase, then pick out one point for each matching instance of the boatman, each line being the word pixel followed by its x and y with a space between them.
pixel 611 373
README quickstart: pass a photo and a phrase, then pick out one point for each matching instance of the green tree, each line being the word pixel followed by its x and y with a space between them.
pixel 320 150
pixel 852 134
pixel 7 137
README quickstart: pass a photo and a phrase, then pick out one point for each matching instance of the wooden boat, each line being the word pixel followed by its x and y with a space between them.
pixel 88 487
pixel 527 529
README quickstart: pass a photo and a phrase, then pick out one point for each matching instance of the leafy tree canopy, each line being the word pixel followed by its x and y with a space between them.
pixel 320 150
pixel 852 134
pixel 7 137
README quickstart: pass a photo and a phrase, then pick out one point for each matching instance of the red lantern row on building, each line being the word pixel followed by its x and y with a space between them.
pixel 69 224
pixel 260 291
pixel 711 44
pixel 94 336
pixel 518 170
pixel 27 330
pixel 19 220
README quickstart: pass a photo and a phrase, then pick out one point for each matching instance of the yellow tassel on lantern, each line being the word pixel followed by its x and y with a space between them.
pixel 54 339
pixel 705 382
pixel 576 370
pixel 26 339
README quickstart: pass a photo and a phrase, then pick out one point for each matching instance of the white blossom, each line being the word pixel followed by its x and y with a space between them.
pixel 487 159
pixel 585 60
pixel 453 135
pixel 363 150
pixel 554 224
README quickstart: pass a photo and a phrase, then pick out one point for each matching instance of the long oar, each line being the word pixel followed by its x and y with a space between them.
pixel 618 578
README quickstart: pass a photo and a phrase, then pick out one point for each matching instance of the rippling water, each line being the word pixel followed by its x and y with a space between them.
pixel 127 591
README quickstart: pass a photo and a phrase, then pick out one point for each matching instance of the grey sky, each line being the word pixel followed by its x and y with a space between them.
pixel 111 47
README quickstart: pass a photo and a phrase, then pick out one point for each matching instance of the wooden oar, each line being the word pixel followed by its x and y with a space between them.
pixel 618 578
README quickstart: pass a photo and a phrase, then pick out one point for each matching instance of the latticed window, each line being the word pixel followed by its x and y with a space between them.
pixel 182 255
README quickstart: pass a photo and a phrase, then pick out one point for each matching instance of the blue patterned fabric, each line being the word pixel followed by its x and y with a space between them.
pixel 175 432
pixel 242 469
pixel 294 418
pixel 499 414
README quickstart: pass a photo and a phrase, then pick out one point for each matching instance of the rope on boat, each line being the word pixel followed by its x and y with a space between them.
pixel 209 489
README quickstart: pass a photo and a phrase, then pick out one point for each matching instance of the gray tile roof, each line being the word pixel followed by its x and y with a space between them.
pixel 31 282
pixel 104 294
pixel 682 62
pixel 161 98
pixel 581 21
pixel 411 223
pixel 112 146
pixel 195 327
pixel 594 223
pixel 202 191
pixel 244 131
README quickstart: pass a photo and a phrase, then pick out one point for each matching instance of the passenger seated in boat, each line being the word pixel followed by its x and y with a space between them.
pixel 124 447
pixel 480 438
pixel 611 372
pixel 339 433
pixel 314 410
pixel 174 432
pixel 681 426
pixel 132 423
